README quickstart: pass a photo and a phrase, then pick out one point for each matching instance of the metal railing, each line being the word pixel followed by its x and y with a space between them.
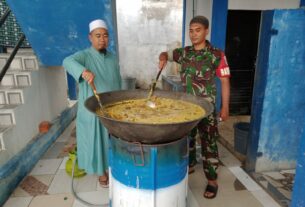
pixel 16 48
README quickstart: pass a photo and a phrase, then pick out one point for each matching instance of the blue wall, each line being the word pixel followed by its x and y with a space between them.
pixel 298 198
pixel 278 92
pixel 56 29
pixel 219 23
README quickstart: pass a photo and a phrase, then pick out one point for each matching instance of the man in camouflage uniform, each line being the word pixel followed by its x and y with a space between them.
pixel 200 64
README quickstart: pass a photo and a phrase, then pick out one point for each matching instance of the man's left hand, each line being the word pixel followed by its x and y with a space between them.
pixel 224 114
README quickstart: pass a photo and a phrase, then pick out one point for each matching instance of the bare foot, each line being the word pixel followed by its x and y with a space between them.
pixel 104 180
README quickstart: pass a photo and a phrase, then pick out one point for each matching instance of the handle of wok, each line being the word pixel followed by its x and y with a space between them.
pixel 142 155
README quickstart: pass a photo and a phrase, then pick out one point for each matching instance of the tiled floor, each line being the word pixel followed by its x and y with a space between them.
pixel 48 184
pixel 279 184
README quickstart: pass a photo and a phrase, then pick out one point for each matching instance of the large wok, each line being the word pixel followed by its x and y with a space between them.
pixel 147 133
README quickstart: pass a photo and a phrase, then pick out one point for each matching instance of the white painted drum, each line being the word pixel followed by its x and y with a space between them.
pixel 124 196
pixel 148 175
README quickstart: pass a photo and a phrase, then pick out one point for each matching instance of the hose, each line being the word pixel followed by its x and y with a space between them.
pixel 80 199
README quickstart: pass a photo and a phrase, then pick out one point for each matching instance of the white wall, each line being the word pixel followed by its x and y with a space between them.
pixel 146 28
pixel 263 4
pixel 44 100
pixel 200 7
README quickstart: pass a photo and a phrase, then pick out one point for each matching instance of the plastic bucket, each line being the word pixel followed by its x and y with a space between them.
pixel 128 83
pixel 241 132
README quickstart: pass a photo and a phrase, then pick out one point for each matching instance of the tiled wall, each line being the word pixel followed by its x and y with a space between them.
pixel 10 31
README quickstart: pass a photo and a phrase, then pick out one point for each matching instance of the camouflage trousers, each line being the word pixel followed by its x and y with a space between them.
pixel 208 133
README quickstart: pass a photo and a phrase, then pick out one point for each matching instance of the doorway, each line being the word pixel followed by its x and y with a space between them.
pixel 241 51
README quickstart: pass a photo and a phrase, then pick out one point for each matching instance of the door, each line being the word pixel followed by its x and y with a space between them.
pixel 241 50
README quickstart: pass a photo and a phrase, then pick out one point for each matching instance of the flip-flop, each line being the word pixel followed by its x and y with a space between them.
pixel 104 183
pixel 212 190
pixel 191 170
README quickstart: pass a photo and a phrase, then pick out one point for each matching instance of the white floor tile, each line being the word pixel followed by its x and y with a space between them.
pixel 64 137
pixel 100 188
pixel 245 179
pixel 18 202
pixel 264 198
pixel 53 152
pixel 63 163
pixel 95 197
pixel 62 183
pixel 19 192
pixel 59 200
pixel 46 167
pixel 191 201
pixel 226 157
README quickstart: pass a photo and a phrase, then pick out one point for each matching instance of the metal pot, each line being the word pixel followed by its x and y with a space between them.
pixel 142 132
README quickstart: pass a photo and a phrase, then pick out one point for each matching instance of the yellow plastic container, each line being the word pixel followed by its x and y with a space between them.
pixel 69 165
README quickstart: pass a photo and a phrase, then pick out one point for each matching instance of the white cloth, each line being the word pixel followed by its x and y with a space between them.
pixel 98 23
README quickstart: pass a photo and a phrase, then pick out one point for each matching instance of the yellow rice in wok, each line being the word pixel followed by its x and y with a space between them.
pixel 166 111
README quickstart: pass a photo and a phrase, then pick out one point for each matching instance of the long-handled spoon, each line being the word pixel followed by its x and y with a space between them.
pixel 149 102
pixel 96 95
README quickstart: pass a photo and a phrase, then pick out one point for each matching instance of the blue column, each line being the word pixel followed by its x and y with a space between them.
pixel 71 87
pixel 218 35
pixel 183 23
pixel 298 193
pixel 302 3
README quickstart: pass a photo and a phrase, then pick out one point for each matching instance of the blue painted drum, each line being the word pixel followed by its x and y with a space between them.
pixel 148 167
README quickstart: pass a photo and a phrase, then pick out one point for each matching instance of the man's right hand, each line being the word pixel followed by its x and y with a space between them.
pixel 88 76
pixel 163 57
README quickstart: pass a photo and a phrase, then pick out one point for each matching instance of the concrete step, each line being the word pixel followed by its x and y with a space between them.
pixel 3 130
pixel 21 51
pixel 7 116
pixel 23 61
pixel 11 95
pixel 17 78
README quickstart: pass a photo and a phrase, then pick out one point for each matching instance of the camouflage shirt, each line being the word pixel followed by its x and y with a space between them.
pixel 199 69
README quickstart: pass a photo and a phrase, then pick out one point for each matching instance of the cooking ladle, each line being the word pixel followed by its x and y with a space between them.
pixel 96 95
pixel 149 102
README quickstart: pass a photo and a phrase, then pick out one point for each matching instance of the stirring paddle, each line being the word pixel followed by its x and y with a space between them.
pixel 149 102
pixel 96 95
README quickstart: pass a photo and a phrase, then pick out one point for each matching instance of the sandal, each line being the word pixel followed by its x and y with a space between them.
pixel 212 190
pixel 104 181
pixel 191 170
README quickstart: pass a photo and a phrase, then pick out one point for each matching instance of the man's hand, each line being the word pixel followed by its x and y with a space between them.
pixel 224 114
pixel 163 57
pixel 88 76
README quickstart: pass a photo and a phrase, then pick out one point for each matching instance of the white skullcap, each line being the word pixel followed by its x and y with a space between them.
pixel 98 23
